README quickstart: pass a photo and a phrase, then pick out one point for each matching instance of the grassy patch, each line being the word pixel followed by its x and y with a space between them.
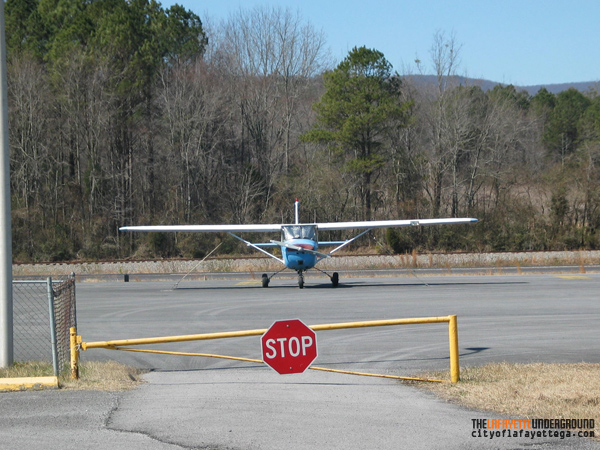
pixel 538 391
pixel 27 369
pixel 104 376
pixel 93 375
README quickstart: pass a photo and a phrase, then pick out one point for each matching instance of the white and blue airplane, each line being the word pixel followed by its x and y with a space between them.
pixel 299 242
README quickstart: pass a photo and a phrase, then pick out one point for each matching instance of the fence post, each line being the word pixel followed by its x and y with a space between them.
pixel 52 327
pixel 453 338
pixel 74 354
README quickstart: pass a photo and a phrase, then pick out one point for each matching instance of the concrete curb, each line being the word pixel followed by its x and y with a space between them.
pixel 26 384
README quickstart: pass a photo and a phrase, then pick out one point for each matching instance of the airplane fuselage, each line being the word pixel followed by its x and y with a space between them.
pixel 298 259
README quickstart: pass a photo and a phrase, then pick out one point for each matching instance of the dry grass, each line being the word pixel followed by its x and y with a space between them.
pixel 494 262
pixel 104 376
pixel 538 391
pixel 27 369
pixel 93 375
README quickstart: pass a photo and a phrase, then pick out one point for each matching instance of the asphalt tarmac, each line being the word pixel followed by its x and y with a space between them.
pixel 208 403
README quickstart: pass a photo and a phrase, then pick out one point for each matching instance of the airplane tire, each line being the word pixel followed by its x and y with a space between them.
pixel 335 279
pixel 265 280
pixel 300 280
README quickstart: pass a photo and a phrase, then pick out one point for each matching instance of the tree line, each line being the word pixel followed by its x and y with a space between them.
pixel 122 112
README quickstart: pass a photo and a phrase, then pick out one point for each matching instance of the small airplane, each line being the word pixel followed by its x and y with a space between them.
pixel 299 242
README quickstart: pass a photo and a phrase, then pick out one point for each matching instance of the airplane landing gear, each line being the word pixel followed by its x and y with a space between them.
pixel 265 280
pixel 335 279
pixel 300 279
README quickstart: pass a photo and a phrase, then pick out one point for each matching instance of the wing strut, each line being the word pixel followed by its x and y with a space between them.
pixel 348 241
pixel 250 244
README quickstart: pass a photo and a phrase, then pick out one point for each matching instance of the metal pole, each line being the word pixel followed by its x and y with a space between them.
pixel 258 332
pixel 6 300
pixel 73 339
pixel 52 327
pixel 453 338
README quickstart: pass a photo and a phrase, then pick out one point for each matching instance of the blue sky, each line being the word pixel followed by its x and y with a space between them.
pixel 521 42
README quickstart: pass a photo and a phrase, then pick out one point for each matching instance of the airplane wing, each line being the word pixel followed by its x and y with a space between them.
pixel 272 227
pixel 391 223
pixel 206 228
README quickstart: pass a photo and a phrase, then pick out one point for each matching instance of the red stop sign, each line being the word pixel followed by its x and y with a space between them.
pixel 289 346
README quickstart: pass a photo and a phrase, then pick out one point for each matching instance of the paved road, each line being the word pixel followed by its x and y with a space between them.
pixel 219 404
pixel 547 318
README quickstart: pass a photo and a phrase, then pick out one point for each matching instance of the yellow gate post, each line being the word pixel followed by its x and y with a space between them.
pixel 453 338
pixel 74 354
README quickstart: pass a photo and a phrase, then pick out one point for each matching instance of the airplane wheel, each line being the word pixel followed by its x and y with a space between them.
pixel 335 279
pixel 265 280
pixel 300 280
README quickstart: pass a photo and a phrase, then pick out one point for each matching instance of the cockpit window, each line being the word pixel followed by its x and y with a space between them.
pixel 299 232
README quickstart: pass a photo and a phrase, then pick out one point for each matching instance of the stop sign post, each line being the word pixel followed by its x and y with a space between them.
pixel 289 346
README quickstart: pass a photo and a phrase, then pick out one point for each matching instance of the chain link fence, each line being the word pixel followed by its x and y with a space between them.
pixel 43 313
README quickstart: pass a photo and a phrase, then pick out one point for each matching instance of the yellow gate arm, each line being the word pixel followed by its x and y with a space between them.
pixel 258 332
pixel 452 330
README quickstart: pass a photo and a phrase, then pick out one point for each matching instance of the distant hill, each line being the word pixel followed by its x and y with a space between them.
pixel 556 88
pixel 486 85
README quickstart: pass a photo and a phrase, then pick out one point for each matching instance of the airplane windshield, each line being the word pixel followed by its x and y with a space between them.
pixel 299 232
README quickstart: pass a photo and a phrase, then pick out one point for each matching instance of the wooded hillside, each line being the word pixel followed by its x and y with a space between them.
pixel 126 113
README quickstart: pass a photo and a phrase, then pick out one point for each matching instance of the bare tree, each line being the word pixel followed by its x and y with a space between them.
pixel 30 114
pixel 270 56
pixel 444 120
pixel 194 105
pixel 83 122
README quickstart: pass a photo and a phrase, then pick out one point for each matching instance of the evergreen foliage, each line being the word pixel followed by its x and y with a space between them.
pixel 360 106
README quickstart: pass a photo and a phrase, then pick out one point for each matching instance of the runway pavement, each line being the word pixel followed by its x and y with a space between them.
pixel 220 404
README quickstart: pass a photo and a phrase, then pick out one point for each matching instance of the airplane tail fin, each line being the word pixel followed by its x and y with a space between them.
pixel 296 205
